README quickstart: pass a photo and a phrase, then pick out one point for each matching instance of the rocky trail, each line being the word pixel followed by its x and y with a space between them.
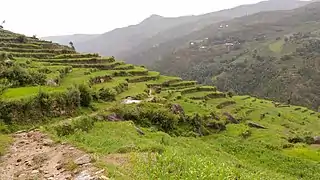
pixel 34 156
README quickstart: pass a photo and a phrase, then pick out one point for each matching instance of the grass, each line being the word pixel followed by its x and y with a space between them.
pixel 5 141
pixel 277 46
pixel 24 92
pixel 156 155
pixel 239 152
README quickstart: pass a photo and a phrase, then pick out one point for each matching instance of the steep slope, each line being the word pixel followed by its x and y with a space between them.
pixel 137 124
pixel 140 53
pixel 122 39
pixel 272 55
pixel 133 42
pixel 167 41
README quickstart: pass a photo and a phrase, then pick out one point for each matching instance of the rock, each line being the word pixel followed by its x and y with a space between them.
pixel 84 175
pixel 19 160
pixel 317 140
pixel 114 117
pixel 85 159
pixel 28 164
pixel 47 176
pixel 103 178
pixel 231 118
pixel 21 132
pixel 99 172
pixel 51 82
pixel 139 131
pixel 34 172
pixel 177 109
pixel 256 125
pixel 48 142
pixel 59 166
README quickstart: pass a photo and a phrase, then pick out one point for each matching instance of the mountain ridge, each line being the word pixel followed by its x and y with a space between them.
pixel 126 42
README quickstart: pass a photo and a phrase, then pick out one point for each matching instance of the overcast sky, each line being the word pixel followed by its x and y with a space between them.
pixel 60 17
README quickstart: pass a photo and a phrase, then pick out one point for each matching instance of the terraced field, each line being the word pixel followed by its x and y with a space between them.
pixel 178 130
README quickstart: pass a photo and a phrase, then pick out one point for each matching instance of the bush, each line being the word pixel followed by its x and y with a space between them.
pixel 83 124
pixel 147 114
pixel 230 94
pixel 20 76
pixel 64 130
pixel 22 39
pixel 107 94
pixel 85 95
pixel 38 108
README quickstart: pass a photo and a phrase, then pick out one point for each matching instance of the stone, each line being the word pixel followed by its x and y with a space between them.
pixel 317 140
pixel 139 131
pixel 99 172
pixel 85 159
pixel 256 125
pixel 47 176
pixel 231 118
pixel 34 172
pixel 84 175
pixel 114 117
pixel 59 166
pixel 51 82
pixel 103 178
pixel 177 109
pixel 48 142
pixel 19 160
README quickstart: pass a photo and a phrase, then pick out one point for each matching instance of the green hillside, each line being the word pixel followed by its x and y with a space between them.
pixel 177 130
pixel 271 55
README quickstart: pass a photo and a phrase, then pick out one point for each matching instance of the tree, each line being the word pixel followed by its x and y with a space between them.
pixel 71 44
pixel 1 25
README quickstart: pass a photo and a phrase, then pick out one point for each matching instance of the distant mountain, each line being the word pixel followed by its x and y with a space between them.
pixel 76 38
pixel 269 54
pixel 146 54
pixel 133 43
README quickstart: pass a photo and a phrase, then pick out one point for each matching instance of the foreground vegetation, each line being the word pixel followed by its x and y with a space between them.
pixel 176 130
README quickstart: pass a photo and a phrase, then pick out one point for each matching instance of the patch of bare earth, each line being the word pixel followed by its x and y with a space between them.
pixel 34 156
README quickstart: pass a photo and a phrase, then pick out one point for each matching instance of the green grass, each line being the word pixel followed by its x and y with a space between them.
pixel 239 152
pixel 5 141
pixel 24 92
pixel 277 46
pixel 156 155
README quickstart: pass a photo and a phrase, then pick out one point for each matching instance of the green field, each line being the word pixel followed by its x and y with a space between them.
pixel 190 131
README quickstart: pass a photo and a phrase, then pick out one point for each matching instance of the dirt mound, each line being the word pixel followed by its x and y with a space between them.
pixel 34 156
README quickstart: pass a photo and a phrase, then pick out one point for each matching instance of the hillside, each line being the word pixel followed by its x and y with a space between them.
pixel 131 43
pixel 175 129
pixel 271 55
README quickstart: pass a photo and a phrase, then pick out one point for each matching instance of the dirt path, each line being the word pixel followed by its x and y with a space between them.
pixel 34 156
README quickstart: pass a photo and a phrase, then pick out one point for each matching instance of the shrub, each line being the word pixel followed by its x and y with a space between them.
pixel 246 134
pixel 83 124
pixel 107 94
pixel 22 39
pixel 230 94
pixel 147 114
pixel 64 130
pixel 85 95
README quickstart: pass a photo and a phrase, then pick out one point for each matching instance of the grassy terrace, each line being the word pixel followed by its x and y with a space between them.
pixel 213 139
